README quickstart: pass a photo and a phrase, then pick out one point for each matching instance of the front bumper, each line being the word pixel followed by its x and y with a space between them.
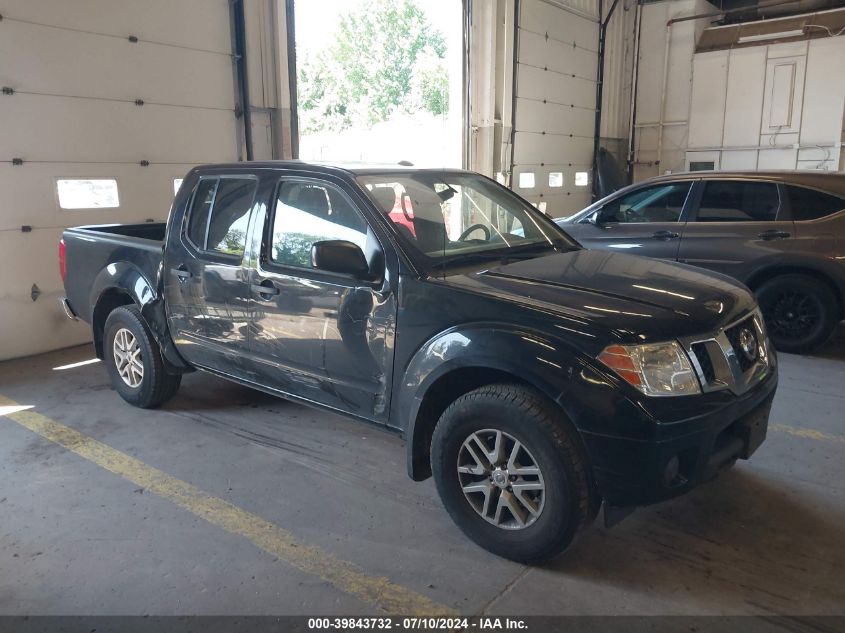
pixel 632 472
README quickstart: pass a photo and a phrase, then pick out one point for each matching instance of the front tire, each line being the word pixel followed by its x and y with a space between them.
pixel 134 362
pixel 801 312
pixel 509 473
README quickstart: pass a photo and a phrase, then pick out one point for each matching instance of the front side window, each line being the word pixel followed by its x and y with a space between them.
pixel 658 203
pixel 444 215
pixel 220 214
pixel 737 201
pixel 809 204
pixel 308 212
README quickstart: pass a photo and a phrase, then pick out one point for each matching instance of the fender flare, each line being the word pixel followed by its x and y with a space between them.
pixel 127 279
pixel 542 362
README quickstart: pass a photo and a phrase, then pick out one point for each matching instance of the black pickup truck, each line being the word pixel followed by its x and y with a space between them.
pixel 532 378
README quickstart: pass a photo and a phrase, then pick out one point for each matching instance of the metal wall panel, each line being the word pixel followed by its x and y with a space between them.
pixel 76 75
pixel 555 101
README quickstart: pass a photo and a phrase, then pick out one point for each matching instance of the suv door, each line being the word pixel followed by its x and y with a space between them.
pixel 205 280
pixel 734 225
pixel 647 221
pixel 324 336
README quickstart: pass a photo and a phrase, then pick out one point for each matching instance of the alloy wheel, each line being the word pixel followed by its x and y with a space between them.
pixel 500 479
pixel 792 315
pixel 127 358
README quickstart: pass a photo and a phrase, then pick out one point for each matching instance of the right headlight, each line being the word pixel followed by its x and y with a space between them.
pixel 656 369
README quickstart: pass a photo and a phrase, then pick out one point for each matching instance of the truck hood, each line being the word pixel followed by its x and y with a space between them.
pixel 638 298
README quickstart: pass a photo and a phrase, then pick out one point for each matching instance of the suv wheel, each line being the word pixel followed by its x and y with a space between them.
pixel 801 312
pixel 509 473
pixel 135 367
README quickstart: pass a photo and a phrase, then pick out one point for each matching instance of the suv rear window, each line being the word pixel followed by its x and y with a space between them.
pixel 738 201
pixel 809 204
pixel 228 201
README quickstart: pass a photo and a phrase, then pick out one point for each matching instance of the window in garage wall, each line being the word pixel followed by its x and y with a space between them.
pixel 380 80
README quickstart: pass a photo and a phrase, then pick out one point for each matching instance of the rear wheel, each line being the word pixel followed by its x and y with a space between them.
pixel 801 312
pixel 509 473
pixel 134 362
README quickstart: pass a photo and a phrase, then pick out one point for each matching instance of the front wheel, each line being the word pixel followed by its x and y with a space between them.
pixel 509 473
pixel 134 362
pixel 801 312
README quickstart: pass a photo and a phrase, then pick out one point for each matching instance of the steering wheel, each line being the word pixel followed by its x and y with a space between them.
pixel 472 228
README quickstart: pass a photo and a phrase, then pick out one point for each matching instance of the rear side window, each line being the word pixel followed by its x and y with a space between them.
pixel 808 204
pixel 220 214
pixel 737 201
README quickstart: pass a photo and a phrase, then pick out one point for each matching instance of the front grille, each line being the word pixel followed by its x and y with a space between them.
pixel 733 335
pixel 704 361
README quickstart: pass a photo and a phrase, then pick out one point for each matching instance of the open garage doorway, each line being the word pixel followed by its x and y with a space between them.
pixel 380 81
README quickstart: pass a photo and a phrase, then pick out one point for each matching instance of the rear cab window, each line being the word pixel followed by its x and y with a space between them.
pixel 219 215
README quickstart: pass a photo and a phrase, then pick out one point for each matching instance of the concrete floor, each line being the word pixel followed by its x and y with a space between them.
pixel 767 537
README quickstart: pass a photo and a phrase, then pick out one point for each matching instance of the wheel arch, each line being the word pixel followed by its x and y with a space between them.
pixel 441 372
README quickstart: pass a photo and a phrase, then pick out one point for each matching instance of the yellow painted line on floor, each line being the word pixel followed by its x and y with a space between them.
pixel 809 434
pixel 345 576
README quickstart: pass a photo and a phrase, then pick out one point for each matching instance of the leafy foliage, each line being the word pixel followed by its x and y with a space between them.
pixel 385 58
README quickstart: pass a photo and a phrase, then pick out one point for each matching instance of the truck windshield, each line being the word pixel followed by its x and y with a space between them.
pixel 449 217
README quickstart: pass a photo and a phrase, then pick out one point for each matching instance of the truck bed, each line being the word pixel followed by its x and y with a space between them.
pixel 98 255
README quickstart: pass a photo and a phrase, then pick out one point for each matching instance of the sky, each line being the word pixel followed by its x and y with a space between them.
pixel 316 20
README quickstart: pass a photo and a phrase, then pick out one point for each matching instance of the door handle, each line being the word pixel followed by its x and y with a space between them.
pixel 182 273
pixel 265 290
pixel 773 235
pixel 664 235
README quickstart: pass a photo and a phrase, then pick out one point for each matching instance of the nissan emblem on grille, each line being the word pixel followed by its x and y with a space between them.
pixel 748 343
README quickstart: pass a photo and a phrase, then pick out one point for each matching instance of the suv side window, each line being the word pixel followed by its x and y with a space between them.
pixel 809 204
pixel 738 201
pixel 220 214
pixel 658 203
pixel 309 212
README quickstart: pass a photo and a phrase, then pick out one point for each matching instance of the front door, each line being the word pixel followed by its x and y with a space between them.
pixel 320 335
pixel 647 221
pixel 737 224
pixel 206 282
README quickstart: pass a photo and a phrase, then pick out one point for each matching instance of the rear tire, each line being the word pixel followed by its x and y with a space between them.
pixel 801 312
pixel 540 513
pixel 134 361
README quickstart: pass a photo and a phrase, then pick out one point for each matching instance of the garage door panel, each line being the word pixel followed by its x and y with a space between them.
pixel 83 130
pixel 541 17
pixel 537 116
pixel 536 149
pixel 30 194
pixel 98 68
pixel 537 84
pixel 558 56
pixel 158 20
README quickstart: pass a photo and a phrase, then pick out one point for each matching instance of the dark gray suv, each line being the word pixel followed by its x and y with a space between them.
pixel 780 233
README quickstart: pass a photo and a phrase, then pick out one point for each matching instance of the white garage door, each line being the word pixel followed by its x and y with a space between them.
pixel 555 103
pixel 134 92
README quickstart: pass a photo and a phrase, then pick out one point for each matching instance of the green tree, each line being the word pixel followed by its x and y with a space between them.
pixel 385 58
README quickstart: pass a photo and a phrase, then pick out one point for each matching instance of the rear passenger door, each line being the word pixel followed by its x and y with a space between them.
pixel 647 221
pixel 735 226
pixel 205 279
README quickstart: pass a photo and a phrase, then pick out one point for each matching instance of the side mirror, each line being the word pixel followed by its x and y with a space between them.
pixel 340 256
pixel 596 218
